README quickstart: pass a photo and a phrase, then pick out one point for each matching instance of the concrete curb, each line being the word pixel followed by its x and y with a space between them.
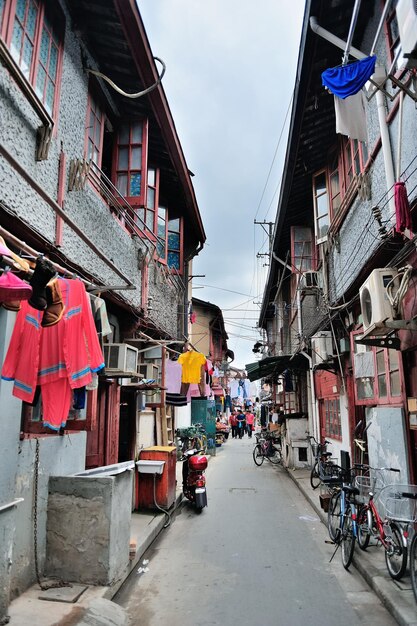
pixel 400 604
pixel 155 528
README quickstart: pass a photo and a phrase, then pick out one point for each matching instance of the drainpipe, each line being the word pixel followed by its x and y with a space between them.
pixel 383 126
pixel 313 422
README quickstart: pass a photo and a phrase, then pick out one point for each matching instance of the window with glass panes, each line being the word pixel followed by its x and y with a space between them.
pixel 385 386
pixel 174 244
pixel 34 36
pixel 147 213
pixel 331 417
pixel 321 205
pixel 94 131
pixel 161 242
pixel 130 161
pixel 302 248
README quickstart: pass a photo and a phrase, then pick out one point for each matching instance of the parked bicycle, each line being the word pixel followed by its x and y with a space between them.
pixel 342 513
pixel 268 447
pixel 322 465
pixel 384 529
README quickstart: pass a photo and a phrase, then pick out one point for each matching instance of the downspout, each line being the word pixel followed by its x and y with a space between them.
pixel 383 126
pixel 313 423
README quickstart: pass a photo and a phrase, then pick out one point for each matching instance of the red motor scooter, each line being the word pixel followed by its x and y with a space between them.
pixel 193 479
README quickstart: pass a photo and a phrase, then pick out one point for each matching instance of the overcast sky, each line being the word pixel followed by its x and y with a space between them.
pixel 229 82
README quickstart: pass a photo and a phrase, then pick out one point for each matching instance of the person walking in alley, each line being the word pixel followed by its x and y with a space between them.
pixel 241 423
pixel 233 424
pixel 250 421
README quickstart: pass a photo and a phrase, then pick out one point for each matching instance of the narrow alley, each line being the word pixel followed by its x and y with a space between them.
pixel 256 555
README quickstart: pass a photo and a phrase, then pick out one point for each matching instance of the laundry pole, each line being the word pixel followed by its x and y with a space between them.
pixel 383 126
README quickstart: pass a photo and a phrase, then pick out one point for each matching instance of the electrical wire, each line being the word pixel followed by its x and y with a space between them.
pixel 133 96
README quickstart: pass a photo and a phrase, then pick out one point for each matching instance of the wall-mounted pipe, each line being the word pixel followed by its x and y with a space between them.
pixel 383 126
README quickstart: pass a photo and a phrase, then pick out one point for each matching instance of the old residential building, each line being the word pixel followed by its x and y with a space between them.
pixel 339 249
pixel 97 182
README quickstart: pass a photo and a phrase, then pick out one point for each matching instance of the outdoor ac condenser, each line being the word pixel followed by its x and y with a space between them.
pixel 407 25
pixel 309 280
pixel 121 357
pixel 375 304
pixel 321 347
pixel 149 371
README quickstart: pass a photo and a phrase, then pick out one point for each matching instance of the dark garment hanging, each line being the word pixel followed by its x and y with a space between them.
pixel 288 386
pixel 79 396
pixel 402 208
pixel 346 80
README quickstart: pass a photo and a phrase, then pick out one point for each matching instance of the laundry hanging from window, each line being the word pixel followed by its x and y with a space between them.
pixel 346 80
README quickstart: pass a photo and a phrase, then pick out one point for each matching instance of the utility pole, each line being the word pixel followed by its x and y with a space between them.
pixel 268 232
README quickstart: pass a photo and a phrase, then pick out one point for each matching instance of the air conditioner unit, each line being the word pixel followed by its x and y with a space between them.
pixel 308 280
pixel 373 296
pixel 407 25
pixel 121 357
pixel 149 371
pixel 322 347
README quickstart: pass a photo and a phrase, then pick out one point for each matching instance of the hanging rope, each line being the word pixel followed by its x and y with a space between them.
pixel 133 96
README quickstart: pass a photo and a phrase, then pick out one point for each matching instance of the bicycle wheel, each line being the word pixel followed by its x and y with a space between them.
pixel 333 515
pixel 396 553
pixel 365 523
pixel 258 455
pixel 413 565
pixel 314 476
pixel 347 538
pixel 275 456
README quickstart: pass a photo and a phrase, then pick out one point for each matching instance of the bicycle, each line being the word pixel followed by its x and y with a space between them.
pixel 386 530
pixel 411 495
pixel 342 514
pixel 268 447
pixel 321 463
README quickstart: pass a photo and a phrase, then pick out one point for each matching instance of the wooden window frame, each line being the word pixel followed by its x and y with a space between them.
pixel 30 428
pixel 377 399
pixel 303 258
pixel 328 416
pixel 94 100
pixel 57 21
pixel 162 259
pixel 140 200
pixel 180 252
pixel 323 238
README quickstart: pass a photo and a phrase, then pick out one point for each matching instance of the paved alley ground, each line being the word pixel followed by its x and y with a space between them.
pixel 256 556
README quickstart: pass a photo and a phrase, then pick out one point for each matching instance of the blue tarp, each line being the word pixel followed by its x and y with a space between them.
pixel 346 80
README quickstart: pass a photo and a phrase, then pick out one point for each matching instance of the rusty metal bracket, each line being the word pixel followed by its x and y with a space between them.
pixel 392 343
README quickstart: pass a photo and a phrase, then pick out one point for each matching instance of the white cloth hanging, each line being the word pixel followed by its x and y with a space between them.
pixel 351 116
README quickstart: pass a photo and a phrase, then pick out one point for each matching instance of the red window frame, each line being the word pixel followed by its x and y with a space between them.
pixel 43 33
pixel 387 372
pixel 349 161
pixel 329 408
pixel 173 251
pixel 95 121
pixel 149 211
pixel 162 234
pixel 302 235
pixel 392 33
pixel 129 144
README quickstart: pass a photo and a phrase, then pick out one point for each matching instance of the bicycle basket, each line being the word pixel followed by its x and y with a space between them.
pixel 399 502
pixel 331 474
pixel 368 483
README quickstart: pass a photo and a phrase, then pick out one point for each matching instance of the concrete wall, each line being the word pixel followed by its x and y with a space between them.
pixel 57 455
pixel 88 528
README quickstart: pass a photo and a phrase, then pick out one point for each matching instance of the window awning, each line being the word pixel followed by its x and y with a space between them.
pixel 276 365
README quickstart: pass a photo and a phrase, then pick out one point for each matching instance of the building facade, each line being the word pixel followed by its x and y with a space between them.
pixel 340 251
pixel 97 182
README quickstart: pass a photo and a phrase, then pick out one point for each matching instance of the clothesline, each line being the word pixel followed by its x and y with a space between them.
pixel 33 255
